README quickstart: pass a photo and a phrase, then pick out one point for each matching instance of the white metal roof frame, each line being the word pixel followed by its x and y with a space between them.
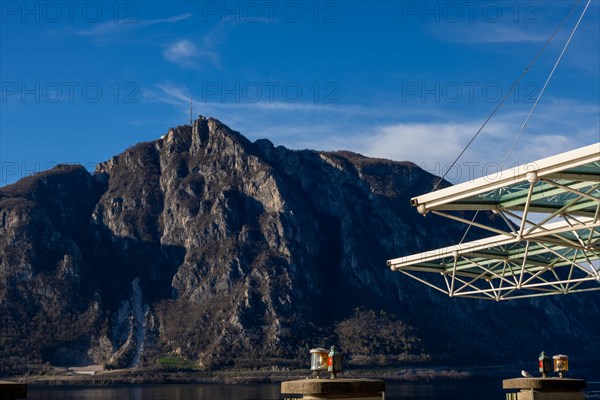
pixel 551 230
pixel 551 167
pixel 527 258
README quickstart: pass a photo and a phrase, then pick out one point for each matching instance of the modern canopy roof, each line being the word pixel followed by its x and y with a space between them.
pixel 556 252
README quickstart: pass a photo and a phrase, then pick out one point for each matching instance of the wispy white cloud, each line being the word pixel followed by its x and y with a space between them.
pixel 168 93
pixel 194 54
pixel 183 53
pixel 506 22
pixel 171 93
pixel 491 33
pixel 288 107
pixel 411 141
pixel 433 143
pixel 118 27
pixel 563 125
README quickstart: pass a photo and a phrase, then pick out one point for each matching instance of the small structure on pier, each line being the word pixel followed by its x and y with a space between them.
pixel 333 388
pixel 544 388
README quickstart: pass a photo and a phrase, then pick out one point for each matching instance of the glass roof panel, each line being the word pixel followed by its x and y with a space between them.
pixel 554 251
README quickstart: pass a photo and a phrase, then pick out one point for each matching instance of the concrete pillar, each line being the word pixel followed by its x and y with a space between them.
pixel 545 388
pixel 324 389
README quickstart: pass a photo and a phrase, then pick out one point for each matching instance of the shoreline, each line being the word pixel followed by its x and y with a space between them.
pixel 84 377
pixel 140 376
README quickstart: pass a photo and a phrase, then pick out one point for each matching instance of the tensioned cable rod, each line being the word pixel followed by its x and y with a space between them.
pixel 534 104
pixel 545 84
pixel 435 187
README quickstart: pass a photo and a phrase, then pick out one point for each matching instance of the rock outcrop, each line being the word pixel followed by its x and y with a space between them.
pixel 230 252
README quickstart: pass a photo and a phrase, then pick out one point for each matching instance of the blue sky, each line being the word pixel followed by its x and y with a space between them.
pixel 82 81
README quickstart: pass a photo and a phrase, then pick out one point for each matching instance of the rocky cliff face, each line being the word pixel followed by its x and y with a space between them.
pixel 223 251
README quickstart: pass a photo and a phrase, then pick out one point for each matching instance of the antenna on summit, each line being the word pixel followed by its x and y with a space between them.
pixel 190 111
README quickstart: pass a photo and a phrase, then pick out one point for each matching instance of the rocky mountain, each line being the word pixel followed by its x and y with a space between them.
pixel 206 246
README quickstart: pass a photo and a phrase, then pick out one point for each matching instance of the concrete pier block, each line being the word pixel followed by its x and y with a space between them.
pixel 323 389
pixel 545 388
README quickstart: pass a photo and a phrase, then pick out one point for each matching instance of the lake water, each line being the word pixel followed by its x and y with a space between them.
pixel 487 390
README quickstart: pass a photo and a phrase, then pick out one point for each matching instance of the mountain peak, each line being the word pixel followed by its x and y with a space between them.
pixel 229 252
